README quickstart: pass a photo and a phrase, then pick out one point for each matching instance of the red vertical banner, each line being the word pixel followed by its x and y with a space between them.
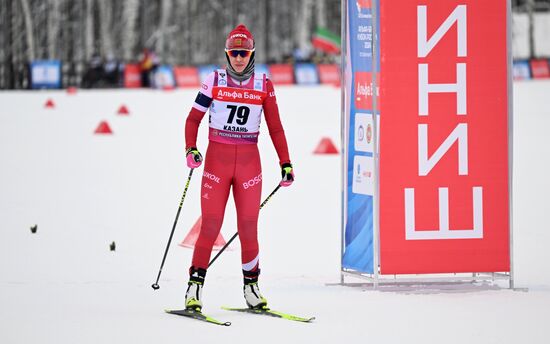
pixel 132 76
pixel 444 180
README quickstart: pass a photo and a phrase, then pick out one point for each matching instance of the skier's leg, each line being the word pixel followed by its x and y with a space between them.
pixel 215 185
pixel 247 193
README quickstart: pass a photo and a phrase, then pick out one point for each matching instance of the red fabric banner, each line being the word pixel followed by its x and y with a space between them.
pixel 132 76
pixel 186 76
pixel 329 74
pixel 540 69
pixel 281 74
pixel 444 198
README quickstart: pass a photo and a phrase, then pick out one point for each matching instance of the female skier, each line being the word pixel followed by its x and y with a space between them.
pixel 236 97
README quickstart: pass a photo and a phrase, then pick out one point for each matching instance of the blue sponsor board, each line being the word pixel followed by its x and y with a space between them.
pixel 522 70
pixel 359 197
pixel 164 77
pixel 261 68
pixel 306 74
pixel 205 70
pixel 45 74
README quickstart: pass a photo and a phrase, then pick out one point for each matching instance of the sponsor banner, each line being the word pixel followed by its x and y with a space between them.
pixel 46 74
pixel 164 77
pixel 329 74
pixel 522 70
pixel 261 68
pixel 444 198
pixel 359 177
pixel 205 70
pixel 281 74
pixel 132 76
pixel 364 132
pixel 363 175
pixel 306 74
pixel 364 90
pixel 186 76
pixel 540 69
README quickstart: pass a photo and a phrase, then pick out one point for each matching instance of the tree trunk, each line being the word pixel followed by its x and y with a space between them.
pixel 29 35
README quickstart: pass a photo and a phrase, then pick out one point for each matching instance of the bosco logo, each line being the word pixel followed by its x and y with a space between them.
pixel 253 182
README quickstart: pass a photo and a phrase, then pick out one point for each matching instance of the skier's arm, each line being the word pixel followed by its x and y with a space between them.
pixel 200 106
pixel 274 125
pixel 192 126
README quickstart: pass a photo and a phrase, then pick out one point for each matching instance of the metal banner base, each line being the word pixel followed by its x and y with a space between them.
pixel 425 283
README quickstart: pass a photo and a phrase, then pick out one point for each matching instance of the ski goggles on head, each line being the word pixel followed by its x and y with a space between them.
pixel 239 52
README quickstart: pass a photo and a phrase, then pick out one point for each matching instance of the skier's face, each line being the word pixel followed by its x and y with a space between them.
pixel 239 62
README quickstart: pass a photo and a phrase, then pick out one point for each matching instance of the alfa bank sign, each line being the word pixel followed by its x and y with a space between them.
pixel 444 173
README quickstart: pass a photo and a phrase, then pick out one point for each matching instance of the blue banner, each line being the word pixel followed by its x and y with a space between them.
pixel 261 68
pixel 164 77
pixel 306 74
pixel 205 70
pixel 522 70
pixel 359 196
pixel 45 74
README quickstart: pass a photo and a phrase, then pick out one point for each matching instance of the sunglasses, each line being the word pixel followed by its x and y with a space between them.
pixel 243 53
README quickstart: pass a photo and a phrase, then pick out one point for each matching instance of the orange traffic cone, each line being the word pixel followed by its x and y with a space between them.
pixel 193 234
pixel 326 147
pixel 123 110
pixel 103 128
pixel 49 104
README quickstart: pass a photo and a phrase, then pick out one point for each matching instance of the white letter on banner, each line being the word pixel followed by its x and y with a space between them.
pixel 460 134
pixel 425 45
pixel 424 88
pixel 443 232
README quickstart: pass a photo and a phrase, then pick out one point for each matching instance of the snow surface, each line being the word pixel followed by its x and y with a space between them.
pixel 64 285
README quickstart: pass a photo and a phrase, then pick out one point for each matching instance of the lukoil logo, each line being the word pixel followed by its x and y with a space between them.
pixel 211 177
pixel 253 182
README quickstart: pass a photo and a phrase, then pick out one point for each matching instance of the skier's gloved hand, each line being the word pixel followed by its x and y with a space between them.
pixel 287 173
pixel 194 157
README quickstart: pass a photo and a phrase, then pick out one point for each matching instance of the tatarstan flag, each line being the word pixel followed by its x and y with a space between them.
pixel 326 41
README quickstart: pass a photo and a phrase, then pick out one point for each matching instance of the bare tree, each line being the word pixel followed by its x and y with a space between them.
pixel 53 28
pixel 29 35
pixel 129 37
pixel 105 27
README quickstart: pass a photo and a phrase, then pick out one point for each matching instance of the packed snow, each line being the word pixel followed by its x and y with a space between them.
pixel 63 284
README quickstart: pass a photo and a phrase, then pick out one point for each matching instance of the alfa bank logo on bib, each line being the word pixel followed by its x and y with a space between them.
pixel 364 90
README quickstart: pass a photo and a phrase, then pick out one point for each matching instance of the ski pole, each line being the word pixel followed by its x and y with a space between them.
pixel 235 235
pixel 155 285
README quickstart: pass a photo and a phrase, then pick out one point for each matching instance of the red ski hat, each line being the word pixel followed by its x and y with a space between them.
pixel 239 38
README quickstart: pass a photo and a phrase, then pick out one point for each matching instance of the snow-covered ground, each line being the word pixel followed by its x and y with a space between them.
pixel 84 191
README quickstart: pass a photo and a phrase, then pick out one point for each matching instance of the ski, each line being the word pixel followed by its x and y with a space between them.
pixel 270 312
pixel 196 315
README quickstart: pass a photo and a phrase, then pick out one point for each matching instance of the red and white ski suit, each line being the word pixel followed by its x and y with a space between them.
pixel 232 158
